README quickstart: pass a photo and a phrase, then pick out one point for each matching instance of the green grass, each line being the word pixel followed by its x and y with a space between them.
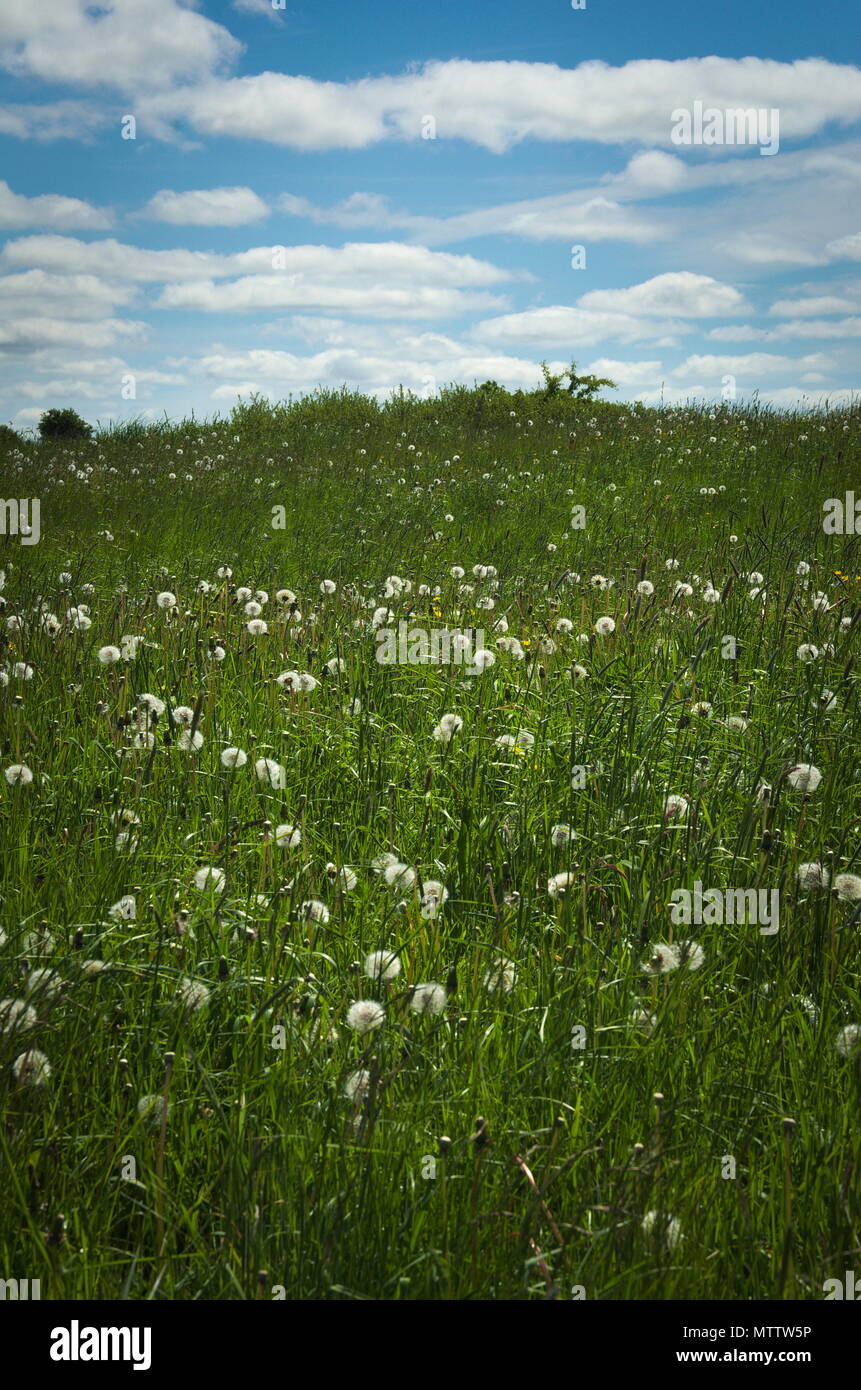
pixel 266 1172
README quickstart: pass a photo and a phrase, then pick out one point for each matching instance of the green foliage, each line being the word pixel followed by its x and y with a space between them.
pixel 9 438
pixel 63 424
pixel 270 1160
pixel 581 388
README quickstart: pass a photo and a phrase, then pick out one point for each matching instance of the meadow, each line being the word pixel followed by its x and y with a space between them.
pixel 325 977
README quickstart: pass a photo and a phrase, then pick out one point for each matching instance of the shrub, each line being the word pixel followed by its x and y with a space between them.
pixel 9 438
pixel 64 424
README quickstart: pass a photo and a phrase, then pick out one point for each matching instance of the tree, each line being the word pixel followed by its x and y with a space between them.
pixel 580 388
pixel 64 424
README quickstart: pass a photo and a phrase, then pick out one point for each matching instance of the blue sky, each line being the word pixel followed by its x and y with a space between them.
pixel 380 194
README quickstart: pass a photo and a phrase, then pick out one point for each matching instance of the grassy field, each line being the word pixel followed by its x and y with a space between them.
pixel 577 1103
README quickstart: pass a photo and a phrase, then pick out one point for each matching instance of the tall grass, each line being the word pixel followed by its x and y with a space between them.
pixel 480 1152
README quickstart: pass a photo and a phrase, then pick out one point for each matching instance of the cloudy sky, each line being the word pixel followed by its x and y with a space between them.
pixel 198 201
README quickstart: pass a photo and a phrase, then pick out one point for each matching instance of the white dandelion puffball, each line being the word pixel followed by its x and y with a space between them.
pixel 16 1016
pixel 428 998
pixel 152 1111
pixel 288 836
pixel 109 656
pixel 804 777
pixel 314 911
pixel 18 775
pixel 357 1085
pixel 666 1229
pixel 448 726
pixel 209 879
pixel 676 808
pixel 500 975
pixel 605 627
pixel 125 910
pixel 558 885
pixel 812 876
pixel 643 1021
pixel 434 894
pixel 166 600
pixel 44 983
pixel 364 1015
pixel 848 1039
pixel 848 887
pixel 383 861
pixel 645 588
pixel 382 965
pixel 189 742
pixel 31 1068
pixel 663 959
pixel 154 707
pixel 691 954
pixel 483 659
pixel 273 773
pixel 193 995
pixel 233 758
pixel 399 876
pixel 561 835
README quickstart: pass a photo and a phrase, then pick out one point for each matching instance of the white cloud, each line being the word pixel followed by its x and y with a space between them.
pixel 377 373
pixel 561 326
pixel 499 104
pixel 752 365
pixel 819 328
pixel 815 305
pixel 115 43
pixel 256 293
pixel 625 373
pixel 49 210
pixel 74 296
pixel 847 248
pixel 21 335
pixel 56 120
pixel 676 292
pixel 206 207
pixel 113 258
pixel 356 268
pixel 791 397
pixel 590 218
pixel 264 8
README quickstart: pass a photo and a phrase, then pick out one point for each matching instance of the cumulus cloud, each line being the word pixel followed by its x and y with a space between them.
pixel 847 248
pixel 563 326
pixel 22 335
pixel 500 104
pixel 676 292
pixel 206 207
pixel 751 365
pixel 55 120
pixel 116 44
pixel 49 210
